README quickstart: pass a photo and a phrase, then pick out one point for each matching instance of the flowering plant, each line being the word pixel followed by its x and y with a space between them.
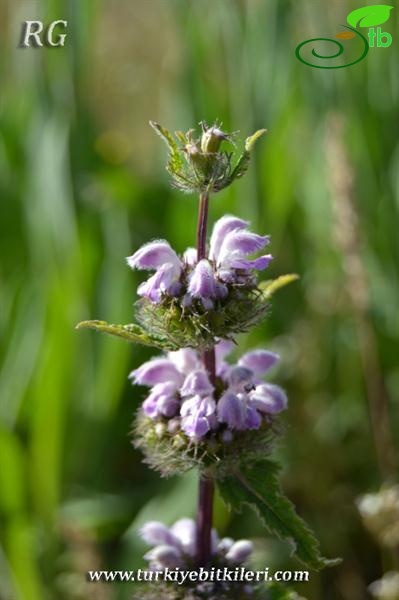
pixel 202 410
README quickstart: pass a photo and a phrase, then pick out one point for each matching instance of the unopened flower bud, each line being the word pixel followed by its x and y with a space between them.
pixel 173 425
pixel 165 556
pixel 211 139
pixel 160 429
pixel 240 551
pixel 225 544
pixel 196 157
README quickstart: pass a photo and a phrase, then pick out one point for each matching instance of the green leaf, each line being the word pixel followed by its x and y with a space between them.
pixel 131 332
pixel 369 16
pixel 175 163
pixel 252 139
pixel 271 286
pixel 256 485
pixel 243 162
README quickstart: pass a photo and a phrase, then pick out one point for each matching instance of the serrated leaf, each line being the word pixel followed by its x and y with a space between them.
pixel 175 163
pixel 256 485
pixel 243 162
pixel 369 16
pixel 252 139
pixel 131 332
pixel 241 167
pixel 165 135
pixel 271 286
pixel 181 137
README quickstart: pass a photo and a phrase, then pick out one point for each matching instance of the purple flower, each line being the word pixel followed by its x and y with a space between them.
pixel 153 255
pixel 197 413
pixel 190 256
pixel 185 531
pixel 269 398
pixel 176 546
pixel 230 245
pixel 202 283
pixel 164 556
pixel 223 349
pixel 158 256
pixel 182 392
pixel 207 280
pixel 221 228
pixel 163 282
pixel 185 360
pixel 232 410
pixel 239 552
pixel 197 384
pixel 240 378
pixel 155 533
pixel 157 370
pixel 162 400
pixel 259 361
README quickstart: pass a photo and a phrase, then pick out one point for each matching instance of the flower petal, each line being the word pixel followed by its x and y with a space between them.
pixel 232 411
pixel 240 243
pixel 195 383
pixel 164 281
pixel 269 398
pixel 190 406
pixel 157 370
pixel 190 256
pixel 185 532
pixel 197 413
pixel 202 282
pixel 259 361
pixel 164 556
pixel 162 400
pixel 221 228
pixel 259 264
pixel 156 533
pixel 153 255
pixel 205 407
pixel 254 420
pixel 185 360
pixel 240 551
pixel 195 426
pixel 239 377
pixel 222 349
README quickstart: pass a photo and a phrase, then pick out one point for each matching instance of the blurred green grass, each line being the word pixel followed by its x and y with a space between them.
pixel 82 185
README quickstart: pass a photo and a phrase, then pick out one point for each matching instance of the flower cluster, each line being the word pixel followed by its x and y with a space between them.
pixel 176 546
pixel 209 279
pixel 183 396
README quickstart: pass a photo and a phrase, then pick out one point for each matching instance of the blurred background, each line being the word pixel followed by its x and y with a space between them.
pixel 82 185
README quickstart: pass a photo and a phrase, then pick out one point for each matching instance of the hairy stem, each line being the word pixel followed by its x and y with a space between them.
pixel 204 520
pixel 202 226
pixel 206 484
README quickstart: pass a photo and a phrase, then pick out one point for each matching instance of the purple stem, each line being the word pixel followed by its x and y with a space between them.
pixel 202 226
pixel 204 520
pixel 206 484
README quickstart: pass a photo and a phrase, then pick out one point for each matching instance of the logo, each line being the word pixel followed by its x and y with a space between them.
pixel 35 34
pixel 366 17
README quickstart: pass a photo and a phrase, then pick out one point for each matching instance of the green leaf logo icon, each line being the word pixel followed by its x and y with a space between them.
pixel 369 16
